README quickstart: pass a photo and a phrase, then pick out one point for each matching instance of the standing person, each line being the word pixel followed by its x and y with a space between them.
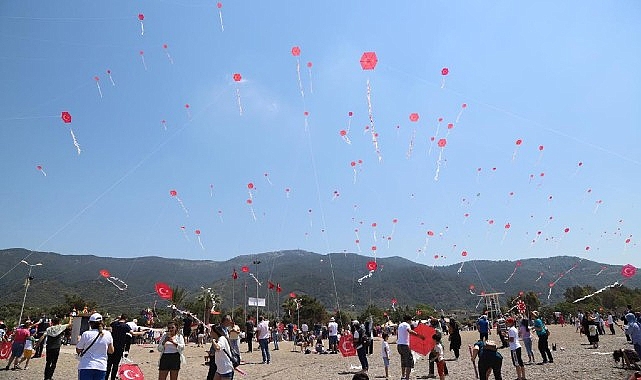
pixel 634 331
pixel 332 329
pixel 438 356
pixel 234 338
pixel 93 347
pixel 172 345
pixel 361 342
pixel 385 353
pixel 483 327
pixel 20 337
pixel 133 324
pixel 403 346
pixel 275 335
pixel 122 334
pixel 54 335
pixel 542 333
pixel 222 354
pixel 515 348
pixel 262 333
pixel 249 333
pixel 454 337
pixel 42 324
pixel 611 323
pixel 524 333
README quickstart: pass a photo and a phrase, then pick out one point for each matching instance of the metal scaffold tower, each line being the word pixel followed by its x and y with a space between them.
pixel 492 305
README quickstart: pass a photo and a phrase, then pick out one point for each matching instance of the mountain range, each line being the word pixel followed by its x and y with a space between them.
pixel 333 279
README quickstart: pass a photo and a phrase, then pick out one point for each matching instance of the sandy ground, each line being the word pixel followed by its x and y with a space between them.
pixel 573 359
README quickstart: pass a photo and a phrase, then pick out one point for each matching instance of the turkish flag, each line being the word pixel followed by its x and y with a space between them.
pixel 234 275
pixel 130 372
pixel 270 285
pixel 164 290
pixel 278 288
pixel 346 346
pixel 422 346
pixel 5 350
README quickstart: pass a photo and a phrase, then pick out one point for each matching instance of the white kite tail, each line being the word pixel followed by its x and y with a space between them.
pixel 438 164
pixel 616 283
pixel 75 142
pixel 220 15
pixel 511 275
pixel 240 106
pixel 300 82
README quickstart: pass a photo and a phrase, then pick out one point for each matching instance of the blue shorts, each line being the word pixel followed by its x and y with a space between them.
pixel 91 374
pixel 386 362
pixel 17 349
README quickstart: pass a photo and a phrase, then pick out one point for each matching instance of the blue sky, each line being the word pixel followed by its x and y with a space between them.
pixel 559 75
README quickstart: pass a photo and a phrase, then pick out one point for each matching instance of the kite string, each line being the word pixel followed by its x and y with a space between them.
pixel 322 213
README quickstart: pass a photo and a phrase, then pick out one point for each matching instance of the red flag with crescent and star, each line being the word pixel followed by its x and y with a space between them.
pixel 130 372
pixel 234 275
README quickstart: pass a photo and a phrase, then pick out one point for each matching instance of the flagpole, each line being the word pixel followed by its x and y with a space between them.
pixel 245 302
pixel 233 296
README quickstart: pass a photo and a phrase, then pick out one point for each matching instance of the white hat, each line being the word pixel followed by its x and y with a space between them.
pixel 95 317
pixel 331 319
pixel 355 322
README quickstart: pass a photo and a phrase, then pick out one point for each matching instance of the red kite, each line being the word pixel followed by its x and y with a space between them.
pixel 422 346
pixel 369 60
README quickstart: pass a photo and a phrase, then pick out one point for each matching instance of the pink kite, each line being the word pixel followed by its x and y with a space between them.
pixel 141 18
pixel 238 78
pixel 219 5
pixel 66 118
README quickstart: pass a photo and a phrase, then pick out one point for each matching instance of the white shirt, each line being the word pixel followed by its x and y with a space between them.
pixel 223 362
pixel 513 333
pixel 403 336
pixel 96 356
pixel 304 327
pixel 262 330
pixel 332 327
pixel 385 352
pixel 439 351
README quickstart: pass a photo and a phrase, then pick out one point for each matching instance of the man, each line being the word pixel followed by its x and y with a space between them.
pixel 403 346
pixel 361 343
pixel 249 333
pixel 332 328
pixel 121 333
pixel 634 331
pixel 515 348
pixel 483 327
pixel 53 335
pixel 262 333
pixel 43 325
pixel 17 347
pixel 489 359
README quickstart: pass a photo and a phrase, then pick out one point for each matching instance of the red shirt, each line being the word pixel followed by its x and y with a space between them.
pixel 21 335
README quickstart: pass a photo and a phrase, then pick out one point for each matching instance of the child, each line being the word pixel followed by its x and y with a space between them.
pixel 385 352
pixel 515 348
pixel 440 360
pixel 28 351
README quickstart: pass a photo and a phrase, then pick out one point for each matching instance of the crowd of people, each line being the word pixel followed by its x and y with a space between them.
pixel 102 348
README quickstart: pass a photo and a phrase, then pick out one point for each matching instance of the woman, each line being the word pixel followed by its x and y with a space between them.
pixel 171 346
pixel 92 348
pixel 224 366
pixel 543 334
pixel 524 333
pixel 454 337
